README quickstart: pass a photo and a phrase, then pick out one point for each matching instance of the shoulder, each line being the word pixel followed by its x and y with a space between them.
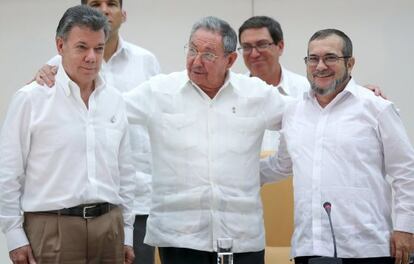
pixel 167 83
pixel 34 89
pixel 25 96
pixel 250 86
pixel 368 99
pixel 297 83
pixel 137 51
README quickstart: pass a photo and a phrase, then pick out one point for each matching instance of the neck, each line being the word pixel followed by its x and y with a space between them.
pixel 273 77
pixel 211 92
pixel 86 91
pixel 111 46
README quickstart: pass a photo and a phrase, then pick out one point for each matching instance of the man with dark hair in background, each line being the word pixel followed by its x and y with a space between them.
pixel 262 44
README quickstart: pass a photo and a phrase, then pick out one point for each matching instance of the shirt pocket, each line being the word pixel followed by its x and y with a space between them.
pixel 243 134
pixel 178 131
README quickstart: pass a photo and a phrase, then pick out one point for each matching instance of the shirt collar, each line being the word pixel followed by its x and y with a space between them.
pixel 226 83
pixel 67 84
pixel 282 85
pixel 121 47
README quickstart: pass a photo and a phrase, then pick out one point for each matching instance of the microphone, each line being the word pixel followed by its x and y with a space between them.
pixel 328 260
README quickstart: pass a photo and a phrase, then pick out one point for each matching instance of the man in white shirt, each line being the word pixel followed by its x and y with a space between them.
pixel 340 142
pixel 65 158
pixel 262 44
pixel 206 126
pixel 124 67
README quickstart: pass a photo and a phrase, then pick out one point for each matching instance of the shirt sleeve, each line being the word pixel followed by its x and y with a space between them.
pixel 156 67
pixel 55 61
pixel 138 103
pixel 127 183
pixel 399 165
pixel 278 166
pixel 274 108
pixel 14 149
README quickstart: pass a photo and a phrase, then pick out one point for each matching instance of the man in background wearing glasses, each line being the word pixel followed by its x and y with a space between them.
pixel 261 44
pixel 340 142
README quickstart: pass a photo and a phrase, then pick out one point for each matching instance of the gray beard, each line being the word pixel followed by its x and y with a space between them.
pixel 331 89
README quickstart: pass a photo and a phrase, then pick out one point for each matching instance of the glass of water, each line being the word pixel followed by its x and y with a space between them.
pixel 225 251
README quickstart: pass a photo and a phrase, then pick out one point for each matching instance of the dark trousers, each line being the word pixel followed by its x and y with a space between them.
pixel 144 254
pixel 381 260
pixel 170 255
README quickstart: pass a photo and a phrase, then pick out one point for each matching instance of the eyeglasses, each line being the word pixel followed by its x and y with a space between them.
pixel 329 60
pixel 247 49
pixel 205 56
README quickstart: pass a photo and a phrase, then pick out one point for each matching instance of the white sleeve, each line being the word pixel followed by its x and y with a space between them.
pixel 278 166
pixel 138 103
pixel 55 61
pixel 14 149
pixel 127 183
pixel 274 108
pixel 399 164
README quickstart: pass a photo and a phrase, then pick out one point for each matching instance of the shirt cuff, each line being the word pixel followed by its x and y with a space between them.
pixel 404 223
pixel 129 233
pixel 16 238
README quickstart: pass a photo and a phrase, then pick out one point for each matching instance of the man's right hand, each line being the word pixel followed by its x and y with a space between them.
pixel 46 75
pixel 22 255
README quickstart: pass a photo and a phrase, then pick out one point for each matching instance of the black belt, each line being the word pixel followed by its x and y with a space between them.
pixel 86 211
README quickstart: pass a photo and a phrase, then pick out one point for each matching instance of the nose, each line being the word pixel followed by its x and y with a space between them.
pixel 254 52
pixel 197 59
pixel 321 64
pixel 90 56
pixel 103 7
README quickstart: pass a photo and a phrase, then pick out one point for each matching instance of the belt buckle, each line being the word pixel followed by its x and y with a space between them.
pixel 85 208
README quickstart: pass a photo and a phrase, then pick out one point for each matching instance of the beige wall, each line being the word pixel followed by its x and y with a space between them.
pixel 381 31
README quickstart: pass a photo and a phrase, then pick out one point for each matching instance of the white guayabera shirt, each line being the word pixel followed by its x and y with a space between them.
pixel 342 154
pixel 206 182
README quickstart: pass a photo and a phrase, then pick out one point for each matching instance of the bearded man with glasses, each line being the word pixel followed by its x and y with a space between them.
pixel 340 142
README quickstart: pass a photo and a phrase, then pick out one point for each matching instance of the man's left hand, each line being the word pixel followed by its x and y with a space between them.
pixel 401 246
pixel 129 255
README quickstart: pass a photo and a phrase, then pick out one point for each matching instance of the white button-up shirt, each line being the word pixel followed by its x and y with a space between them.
pixel 341 154
pixel 55 153
pixel 206 181
pixel 128 67
pixel 291 84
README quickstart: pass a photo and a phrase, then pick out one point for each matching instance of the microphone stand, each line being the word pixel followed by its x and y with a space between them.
pixel 328 260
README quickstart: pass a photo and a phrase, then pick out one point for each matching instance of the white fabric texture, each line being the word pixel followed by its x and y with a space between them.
pixel 128 67
pixel 342 154
pixel 55 153
pixel 206 181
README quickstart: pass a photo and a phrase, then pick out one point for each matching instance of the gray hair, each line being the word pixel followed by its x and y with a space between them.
pixel 324 33
pixel 220 26
pixel 82 16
